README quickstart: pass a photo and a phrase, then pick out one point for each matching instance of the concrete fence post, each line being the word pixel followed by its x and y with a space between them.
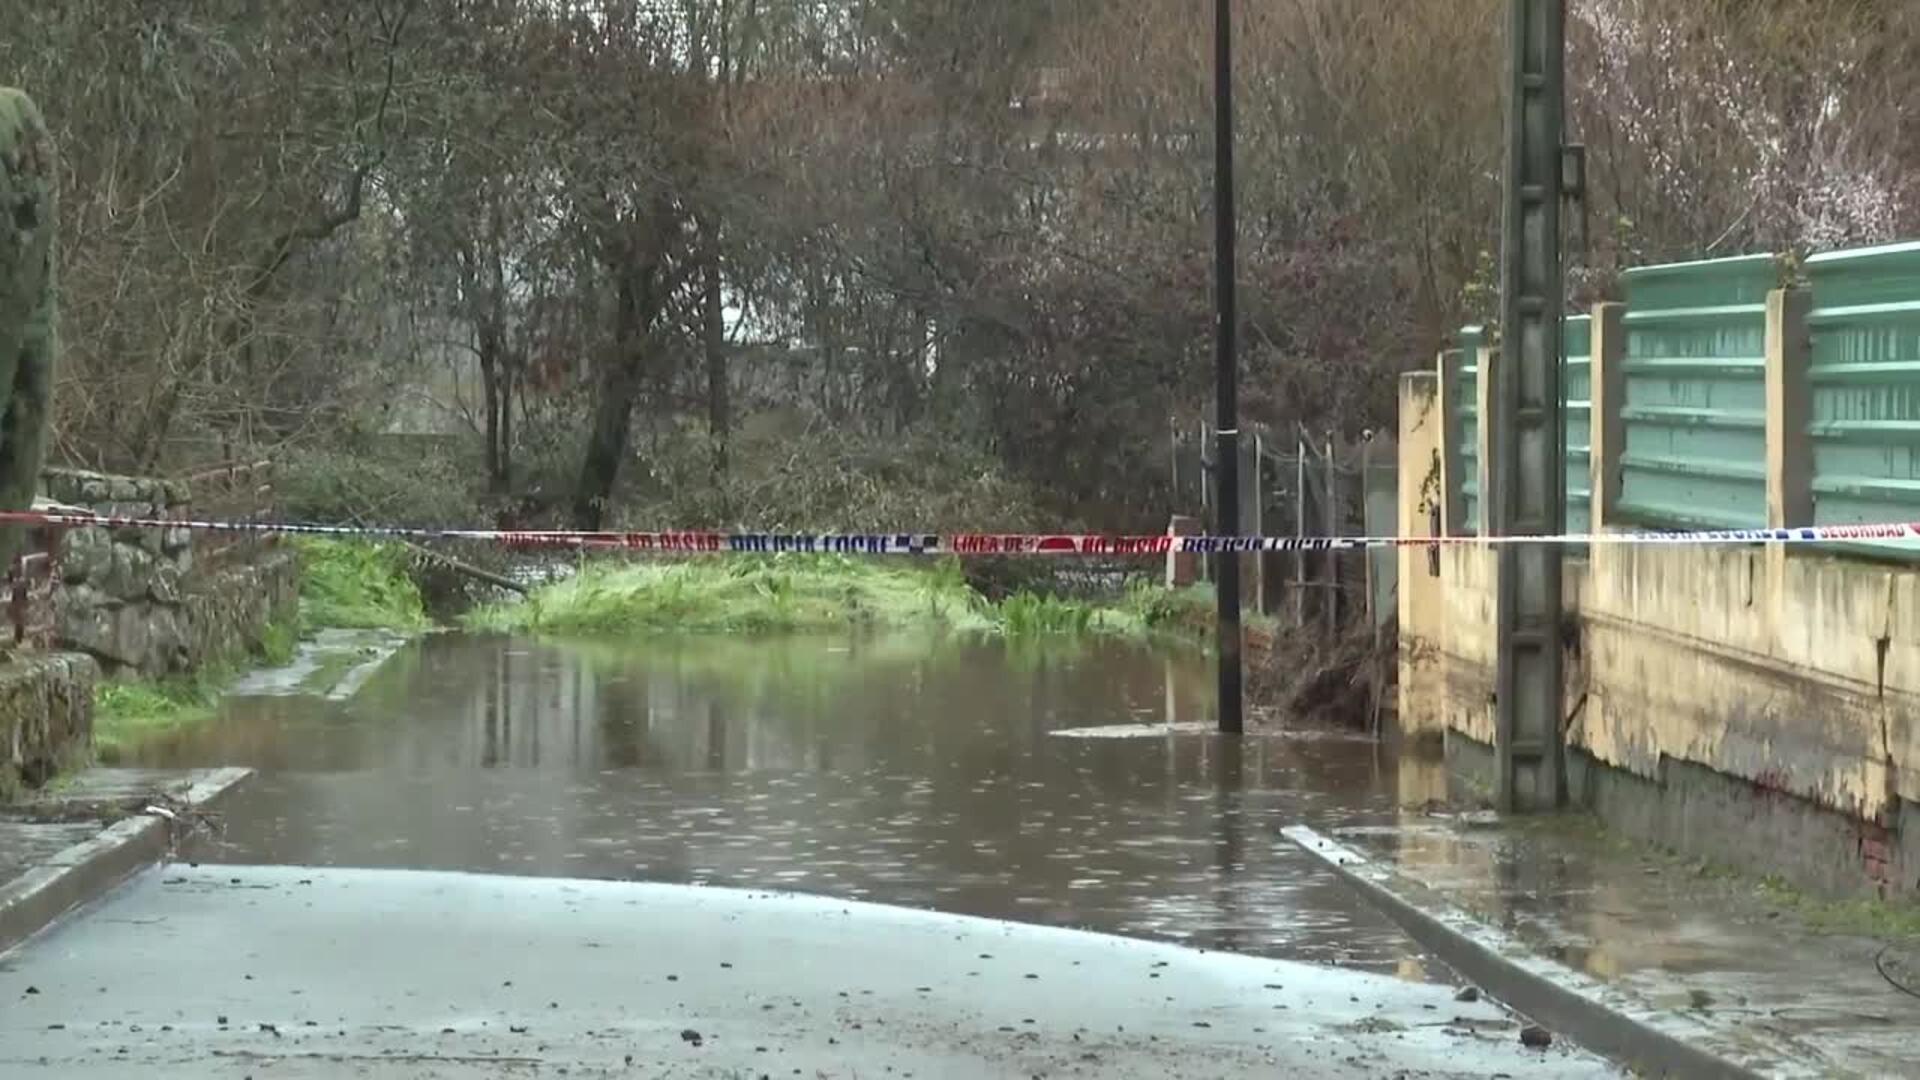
pixel 1789 448
pixel 1607 433
pixel 1483 429
pixel 1447 398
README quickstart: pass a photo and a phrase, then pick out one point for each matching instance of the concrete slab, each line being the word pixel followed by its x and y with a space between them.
pixel 104 816
pixel 333 664
pixel 1673 950
pixel 292 972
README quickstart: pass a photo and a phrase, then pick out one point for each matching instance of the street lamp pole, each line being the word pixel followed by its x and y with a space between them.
pixel 1226 472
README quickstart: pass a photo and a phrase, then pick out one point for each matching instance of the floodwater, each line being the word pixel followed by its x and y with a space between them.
pixel 907 771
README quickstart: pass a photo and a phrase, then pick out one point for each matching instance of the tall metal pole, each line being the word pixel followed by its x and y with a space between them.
pixel 1528 470
pixel 1226 391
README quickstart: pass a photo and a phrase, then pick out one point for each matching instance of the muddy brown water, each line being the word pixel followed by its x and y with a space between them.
pixel 900 770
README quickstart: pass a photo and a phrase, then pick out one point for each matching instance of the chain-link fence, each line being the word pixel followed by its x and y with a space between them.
pixel 1299 483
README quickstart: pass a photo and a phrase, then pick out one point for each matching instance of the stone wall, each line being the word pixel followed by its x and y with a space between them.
pixel 46 717
pixel 153 601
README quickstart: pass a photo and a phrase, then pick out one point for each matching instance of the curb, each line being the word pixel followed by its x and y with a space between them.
pixel 1650 1041
pixel 91 868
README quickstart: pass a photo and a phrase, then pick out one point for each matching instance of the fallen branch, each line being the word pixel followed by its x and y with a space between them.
pixel 474 572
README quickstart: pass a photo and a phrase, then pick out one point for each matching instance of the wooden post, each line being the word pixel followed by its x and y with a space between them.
pixel 1447 395
pixel 1789 448
pixel 1607 378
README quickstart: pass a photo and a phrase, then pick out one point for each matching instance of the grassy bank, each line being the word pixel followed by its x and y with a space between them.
pixel 127 712
pixel 780 594
pixel 343 584
pixel 356 585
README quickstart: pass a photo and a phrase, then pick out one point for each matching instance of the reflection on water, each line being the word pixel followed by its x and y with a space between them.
pixel 901 770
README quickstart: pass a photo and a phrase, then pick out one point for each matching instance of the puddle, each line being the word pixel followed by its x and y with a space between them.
pixel 909 771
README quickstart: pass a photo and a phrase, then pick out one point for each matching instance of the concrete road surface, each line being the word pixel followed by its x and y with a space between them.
pixel 289 972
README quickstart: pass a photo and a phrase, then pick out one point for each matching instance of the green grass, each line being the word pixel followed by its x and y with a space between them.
pixel 343 583
pixel 125 713
pixel 357 585
pixel 278 642
pixel 1864 916
pixel 802 593
pixel 747 595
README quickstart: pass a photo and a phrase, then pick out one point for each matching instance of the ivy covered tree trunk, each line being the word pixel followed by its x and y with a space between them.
pixel 27 311
pixel 621 373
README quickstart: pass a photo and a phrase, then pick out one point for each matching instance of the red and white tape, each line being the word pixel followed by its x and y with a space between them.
pixel 693 541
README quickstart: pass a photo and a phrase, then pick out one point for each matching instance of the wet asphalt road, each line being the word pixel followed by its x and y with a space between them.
pixel 290 972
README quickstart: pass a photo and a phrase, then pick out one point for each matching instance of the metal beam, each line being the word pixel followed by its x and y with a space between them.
pixel 1226 369
pixel 1528 472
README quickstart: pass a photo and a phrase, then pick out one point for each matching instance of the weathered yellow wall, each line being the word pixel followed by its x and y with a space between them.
pixel 1797 671
pixel 1764 665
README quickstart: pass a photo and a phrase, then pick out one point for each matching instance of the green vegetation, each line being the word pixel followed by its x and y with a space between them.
pixel 358 585
pixel 1863 916
pixel 344 583
pixel 125 713
pixel 278 642
pixel 788 593
pixel 748 595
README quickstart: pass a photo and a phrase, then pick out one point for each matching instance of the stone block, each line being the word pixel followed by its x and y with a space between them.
pixel 164 586
pixel 128 574
pixel 83 619
pixel 150 638
pixel 176 540
pixel 46 718
pixel 227 611
pixel 63 485
pixel 126 508
pixel 85 555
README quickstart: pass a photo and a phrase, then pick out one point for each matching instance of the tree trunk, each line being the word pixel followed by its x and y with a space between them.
pixel 490 402
pixel 713 335
pixel 28 346
pixel 638 306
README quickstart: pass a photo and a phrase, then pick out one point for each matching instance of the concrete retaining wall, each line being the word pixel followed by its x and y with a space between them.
pixel 1751 705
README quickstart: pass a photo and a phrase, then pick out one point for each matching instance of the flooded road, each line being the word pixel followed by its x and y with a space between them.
pixel 899 770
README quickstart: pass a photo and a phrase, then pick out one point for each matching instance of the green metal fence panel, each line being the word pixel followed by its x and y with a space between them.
pixel 1694 412
pixel 1576 416
pixel 1864 378
pixel 1470 339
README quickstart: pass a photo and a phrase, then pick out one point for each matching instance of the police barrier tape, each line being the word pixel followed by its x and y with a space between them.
pixel 685 541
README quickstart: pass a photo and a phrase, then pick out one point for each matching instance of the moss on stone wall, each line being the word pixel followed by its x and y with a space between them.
pixel 45 718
